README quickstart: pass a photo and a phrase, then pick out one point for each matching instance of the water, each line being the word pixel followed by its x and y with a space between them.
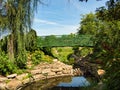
pixel 76 82
pixel 63 83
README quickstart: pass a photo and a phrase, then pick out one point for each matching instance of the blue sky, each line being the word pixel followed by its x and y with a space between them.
pixel 58 17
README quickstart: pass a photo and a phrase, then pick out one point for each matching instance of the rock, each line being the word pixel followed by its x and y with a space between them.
pixel 56 70
pixel 88 69
pixel 65 72
pixel 25 81
pixel 46 71
pixel 55 60
pixel 59 73
pixel 77 72
pixel 13 84
pixel 38 71
pixel 101 72
pixel 65 68
pixel 38 77
pixel 2 86
pixel 69 66
pixel 2 79
pixel 51 74
pixel 12 76
pixel 72 72
pixel 22 76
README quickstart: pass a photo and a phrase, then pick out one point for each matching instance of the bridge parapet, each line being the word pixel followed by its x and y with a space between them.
pixel 66 41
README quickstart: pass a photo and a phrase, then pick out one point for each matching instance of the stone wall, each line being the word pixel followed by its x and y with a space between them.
pixel 39 72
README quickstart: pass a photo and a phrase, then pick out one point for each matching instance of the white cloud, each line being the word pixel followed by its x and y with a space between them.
pixel 59 30
pixel 44 22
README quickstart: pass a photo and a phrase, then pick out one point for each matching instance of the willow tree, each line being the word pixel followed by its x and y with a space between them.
pixel 16 17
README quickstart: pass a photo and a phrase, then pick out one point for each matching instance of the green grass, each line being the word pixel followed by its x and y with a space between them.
pixel 62 53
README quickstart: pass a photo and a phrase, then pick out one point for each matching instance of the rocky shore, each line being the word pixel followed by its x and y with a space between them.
pixel 39 72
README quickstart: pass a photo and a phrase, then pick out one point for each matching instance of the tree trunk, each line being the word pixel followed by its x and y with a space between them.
pixel 10 47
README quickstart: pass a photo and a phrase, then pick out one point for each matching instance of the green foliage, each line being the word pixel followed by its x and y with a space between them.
pixel 36 57
pixel 110 42
pixel 76 51
pixel 31 43
pixel 39 56
pixel 3 44
pixel 64 54
pixel 107 41
pixel 6 66
pixel 113 76
pixel 70 59
pixel 89 24
pixel 46 41
pixel 47 51
pixel 21 60
pixel 47 58
pixel 30 75
pixel 61 53
pixel 84 51
pixel 16 16
pixel 106 34
pixel 110 12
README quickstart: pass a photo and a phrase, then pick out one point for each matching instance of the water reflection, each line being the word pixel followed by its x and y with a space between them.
pixel 63 83
pixel 76 82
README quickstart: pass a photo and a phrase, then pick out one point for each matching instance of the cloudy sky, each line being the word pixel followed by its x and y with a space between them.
pixel 58 17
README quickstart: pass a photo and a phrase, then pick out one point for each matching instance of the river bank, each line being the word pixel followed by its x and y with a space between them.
pixel 42 71
pixel 39 72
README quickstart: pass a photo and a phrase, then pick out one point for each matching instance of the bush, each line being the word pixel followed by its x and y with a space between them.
pixel 36 57
pixel 47 58
pixel 6 66
pixel 71 61
pixel 113 76
pixel 39 56
pixel 113 82
pixel 21 60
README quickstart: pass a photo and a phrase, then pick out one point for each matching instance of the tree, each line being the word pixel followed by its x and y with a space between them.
pixel 16 16
pixel 31 40
pixel 89 24
pixel 110 17
pixel 109 12
pixel 107 45
pixel 106 35
pixel 111 44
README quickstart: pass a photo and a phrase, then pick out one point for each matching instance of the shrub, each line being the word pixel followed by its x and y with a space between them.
pixel 47 58
pixel 113 82
pixel 6 66
pixel 113 76
pixel 21 60
pixel 36 57
pixel 39 56
pixel 71 61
